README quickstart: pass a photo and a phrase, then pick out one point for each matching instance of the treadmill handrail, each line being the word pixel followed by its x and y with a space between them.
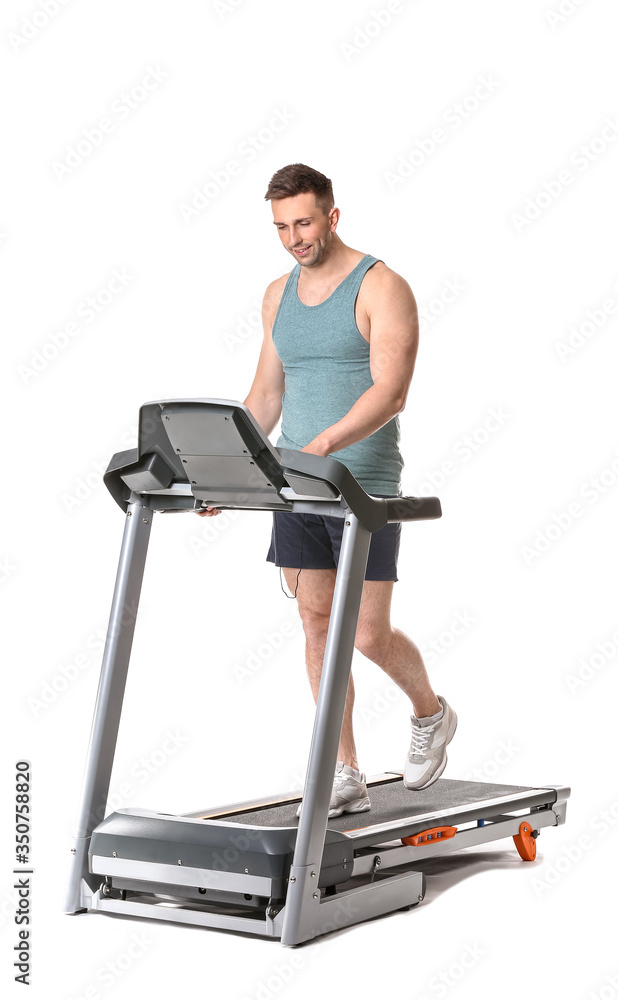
pixel 155 465
pixel 367 509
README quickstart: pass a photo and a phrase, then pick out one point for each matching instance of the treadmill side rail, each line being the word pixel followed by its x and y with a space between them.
pixel 498 828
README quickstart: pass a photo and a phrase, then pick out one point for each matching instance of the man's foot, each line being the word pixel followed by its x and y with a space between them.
pixel 349 792
pixel 426 758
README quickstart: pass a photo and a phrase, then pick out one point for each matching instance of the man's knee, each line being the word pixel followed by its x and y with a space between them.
pixel 372 641
pixel 315 622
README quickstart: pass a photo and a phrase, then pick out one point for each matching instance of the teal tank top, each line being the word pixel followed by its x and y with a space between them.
pixel 325 360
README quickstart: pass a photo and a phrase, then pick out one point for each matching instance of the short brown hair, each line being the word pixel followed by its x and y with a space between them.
pixel 297 178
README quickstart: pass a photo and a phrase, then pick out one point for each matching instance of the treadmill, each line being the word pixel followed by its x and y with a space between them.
pixel 254 867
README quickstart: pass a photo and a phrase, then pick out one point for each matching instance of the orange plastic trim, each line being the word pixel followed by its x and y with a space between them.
pixel 525 842
pixel 430 836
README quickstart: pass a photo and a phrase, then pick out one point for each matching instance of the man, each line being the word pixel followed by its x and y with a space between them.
pixel 340 343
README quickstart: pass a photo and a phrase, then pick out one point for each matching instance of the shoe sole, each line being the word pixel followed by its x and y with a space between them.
pixel 436 774
pixel 361 805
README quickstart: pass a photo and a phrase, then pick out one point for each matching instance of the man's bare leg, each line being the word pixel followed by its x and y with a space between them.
pixel 314 595
pixel 392 649
pixel 376 639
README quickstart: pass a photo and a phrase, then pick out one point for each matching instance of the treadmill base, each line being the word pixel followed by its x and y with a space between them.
pixel 372 869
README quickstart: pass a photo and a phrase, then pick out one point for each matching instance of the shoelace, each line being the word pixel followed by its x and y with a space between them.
pixel 420 739
pixel 341 778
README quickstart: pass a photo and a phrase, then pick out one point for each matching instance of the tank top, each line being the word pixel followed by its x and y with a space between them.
pixel 325 361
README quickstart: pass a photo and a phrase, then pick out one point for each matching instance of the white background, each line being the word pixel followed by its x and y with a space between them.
pixel 509 209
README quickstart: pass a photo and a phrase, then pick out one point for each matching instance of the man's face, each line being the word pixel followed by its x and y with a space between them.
pixel 304 230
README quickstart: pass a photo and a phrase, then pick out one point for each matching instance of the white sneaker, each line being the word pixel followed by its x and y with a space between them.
pixel 426 758
pixel 349 792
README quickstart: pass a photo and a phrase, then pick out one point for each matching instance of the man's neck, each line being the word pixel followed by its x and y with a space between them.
pixel 340 259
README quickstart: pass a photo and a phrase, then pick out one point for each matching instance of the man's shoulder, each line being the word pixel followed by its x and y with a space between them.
pixel 382 280
pixel 274 292
pixel 278 284
pixel 381 272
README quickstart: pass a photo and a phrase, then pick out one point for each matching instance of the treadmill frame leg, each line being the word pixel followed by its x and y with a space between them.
pixel 110 696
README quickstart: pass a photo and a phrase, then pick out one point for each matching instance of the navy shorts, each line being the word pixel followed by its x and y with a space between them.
pixel 311 541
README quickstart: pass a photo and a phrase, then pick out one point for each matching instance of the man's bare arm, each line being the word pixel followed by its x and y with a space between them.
pixel 393 345
pixel 266 392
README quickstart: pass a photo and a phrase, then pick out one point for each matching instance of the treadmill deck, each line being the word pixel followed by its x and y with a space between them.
pixel 392 802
